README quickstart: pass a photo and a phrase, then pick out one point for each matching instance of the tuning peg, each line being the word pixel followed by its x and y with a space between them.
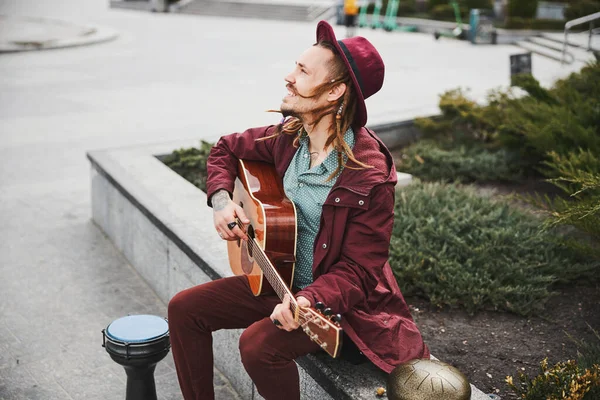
pixel 319 306
pixel 327 311
pixel 336 318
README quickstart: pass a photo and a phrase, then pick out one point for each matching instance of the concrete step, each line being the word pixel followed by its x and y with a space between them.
pixel 577 53
pixel 140 5
pixel 259 10
pixel 544 51
pixel 575 39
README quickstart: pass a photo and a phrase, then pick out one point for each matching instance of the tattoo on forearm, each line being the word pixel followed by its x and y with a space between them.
pixel 220 200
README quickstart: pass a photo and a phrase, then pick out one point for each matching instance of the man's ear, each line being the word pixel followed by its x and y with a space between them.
pixel 336 92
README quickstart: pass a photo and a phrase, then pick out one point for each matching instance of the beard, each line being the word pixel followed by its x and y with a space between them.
pixel 298 110
pixel 288 111
pixel 308 110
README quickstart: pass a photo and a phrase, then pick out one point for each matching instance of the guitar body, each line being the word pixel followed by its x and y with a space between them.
pixel 259 191
pixel 267 258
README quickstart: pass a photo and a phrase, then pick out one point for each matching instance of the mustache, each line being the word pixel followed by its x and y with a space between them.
pixel 295 91
pixel 291 88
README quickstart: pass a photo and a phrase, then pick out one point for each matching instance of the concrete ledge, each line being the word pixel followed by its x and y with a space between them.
pixel 398 134
pixel 161 223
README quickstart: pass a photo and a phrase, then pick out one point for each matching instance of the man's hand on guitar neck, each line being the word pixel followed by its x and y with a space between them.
pixel 225 213
pixel 283 314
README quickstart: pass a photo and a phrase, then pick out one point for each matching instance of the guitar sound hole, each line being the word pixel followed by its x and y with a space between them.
pixel 250 233
pixel 239 241
pixel 247 261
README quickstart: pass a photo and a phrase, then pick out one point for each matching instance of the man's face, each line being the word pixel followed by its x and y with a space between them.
pixel 311 71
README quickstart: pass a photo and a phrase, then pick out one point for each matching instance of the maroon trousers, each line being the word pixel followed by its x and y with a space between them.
pixel 267 352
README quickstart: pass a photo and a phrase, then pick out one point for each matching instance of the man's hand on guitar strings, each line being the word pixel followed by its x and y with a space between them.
pixel 226 212
pixel 283 314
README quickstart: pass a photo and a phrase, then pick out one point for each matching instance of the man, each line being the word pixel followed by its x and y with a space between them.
pixel 350 12
pixel 341 178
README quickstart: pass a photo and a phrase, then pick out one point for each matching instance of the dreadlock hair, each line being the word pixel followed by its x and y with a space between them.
pixel 343 112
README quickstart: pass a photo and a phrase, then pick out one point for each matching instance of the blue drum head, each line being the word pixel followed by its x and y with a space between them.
pixel 137 328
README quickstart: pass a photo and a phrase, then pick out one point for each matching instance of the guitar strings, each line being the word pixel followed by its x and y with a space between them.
pixel 281 288
pixel 275 277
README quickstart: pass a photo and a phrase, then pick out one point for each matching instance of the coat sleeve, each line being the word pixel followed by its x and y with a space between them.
pixel 364 252
pixel 222 163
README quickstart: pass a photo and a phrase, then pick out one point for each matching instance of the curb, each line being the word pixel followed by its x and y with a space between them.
pixel 56 34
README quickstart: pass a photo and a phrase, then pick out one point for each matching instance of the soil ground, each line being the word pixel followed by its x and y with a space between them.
pixel 489 346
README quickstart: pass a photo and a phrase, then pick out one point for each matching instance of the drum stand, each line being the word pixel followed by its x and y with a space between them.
pixel 139 357
pixel 140 377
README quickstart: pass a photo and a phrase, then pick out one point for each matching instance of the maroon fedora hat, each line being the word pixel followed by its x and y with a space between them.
pixel 364 63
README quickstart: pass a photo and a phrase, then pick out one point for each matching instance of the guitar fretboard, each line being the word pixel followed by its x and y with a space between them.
pixel 270 272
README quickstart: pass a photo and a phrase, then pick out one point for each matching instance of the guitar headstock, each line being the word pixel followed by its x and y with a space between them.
pixel 323 329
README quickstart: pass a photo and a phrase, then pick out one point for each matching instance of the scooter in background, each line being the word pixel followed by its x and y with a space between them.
pixel 456 33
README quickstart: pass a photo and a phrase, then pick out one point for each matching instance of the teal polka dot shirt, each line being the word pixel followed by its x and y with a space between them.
pixel 308 188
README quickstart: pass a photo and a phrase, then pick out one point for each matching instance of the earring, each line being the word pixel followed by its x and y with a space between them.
pixel 339 112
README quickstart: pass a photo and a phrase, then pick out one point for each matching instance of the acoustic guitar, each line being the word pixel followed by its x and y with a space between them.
pixel 267 258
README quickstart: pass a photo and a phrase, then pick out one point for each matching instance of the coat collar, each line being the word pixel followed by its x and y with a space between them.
pixel 368 149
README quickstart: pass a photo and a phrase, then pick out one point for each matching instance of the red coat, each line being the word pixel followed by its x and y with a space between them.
pixel 350 267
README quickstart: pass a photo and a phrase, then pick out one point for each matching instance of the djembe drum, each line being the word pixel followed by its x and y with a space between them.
pixel 138 343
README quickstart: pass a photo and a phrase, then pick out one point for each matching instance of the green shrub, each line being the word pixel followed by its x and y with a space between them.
pixel 190 163
pixel 444 12
pixel 580 92
pixel 534 23
pixel 581 8
pixel 517 23
pixel 528 83
pixel 457 248
pixel 561 119
pixel 579 177
pixel 565 380
pixel 522 8
pixel 480 4
pixel 465 5
pixel 464 119
pixel 406 8
pixel 431 4
pixel 547 25
pixel 456 162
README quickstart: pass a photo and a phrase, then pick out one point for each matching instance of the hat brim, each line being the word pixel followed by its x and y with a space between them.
pixel 325 33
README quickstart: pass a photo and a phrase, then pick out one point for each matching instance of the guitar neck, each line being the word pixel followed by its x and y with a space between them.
pixel 270 272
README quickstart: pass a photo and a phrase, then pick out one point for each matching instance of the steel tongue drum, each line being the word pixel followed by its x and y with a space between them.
pixel 424 379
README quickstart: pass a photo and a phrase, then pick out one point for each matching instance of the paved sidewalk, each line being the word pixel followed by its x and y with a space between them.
pixel 166 77
pixel 25 34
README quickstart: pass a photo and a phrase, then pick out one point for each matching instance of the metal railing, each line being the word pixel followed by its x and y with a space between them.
pixel 579 21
